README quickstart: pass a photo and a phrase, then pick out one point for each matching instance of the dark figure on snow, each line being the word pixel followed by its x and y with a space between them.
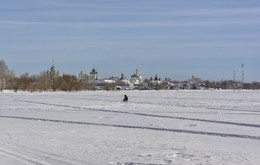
pixel 125 99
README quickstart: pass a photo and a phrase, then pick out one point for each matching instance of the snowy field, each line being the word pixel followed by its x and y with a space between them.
pixel 154 127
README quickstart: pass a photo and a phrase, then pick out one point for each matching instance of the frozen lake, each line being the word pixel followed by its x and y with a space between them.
pixel 154 127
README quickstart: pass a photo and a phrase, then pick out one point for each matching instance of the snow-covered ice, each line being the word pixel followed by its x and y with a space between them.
pixel 154 127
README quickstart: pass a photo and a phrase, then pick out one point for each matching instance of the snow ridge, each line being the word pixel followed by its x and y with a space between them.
pixel 139 127
pixel 143 114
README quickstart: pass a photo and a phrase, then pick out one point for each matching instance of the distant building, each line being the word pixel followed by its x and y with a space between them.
pixel 136 78
pixel 94 74
pixel 83 77
pixel 115 79
pixel 53 70
pixel 196 83
pixel 109 81
pixel 122 76
pixel 53 73
pixel 124 80
pixel 156 80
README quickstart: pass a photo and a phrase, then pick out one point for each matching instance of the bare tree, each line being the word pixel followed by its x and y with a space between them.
pixel 255 85
pixel 44 82
pixel 110 86
pixel 24 83
pixel 10 79
pixel 3 74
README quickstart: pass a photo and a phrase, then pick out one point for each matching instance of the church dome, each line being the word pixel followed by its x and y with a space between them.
pixel 93 71
pixel 53 68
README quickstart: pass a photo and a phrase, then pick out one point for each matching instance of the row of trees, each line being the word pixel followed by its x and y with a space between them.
pixel 46 81
pixel 230 84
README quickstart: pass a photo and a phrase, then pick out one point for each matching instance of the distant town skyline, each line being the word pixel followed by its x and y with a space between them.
pixel 171 38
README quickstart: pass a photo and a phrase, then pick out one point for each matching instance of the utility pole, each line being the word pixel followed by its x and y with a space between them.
pixel 243 74
pixel 234 76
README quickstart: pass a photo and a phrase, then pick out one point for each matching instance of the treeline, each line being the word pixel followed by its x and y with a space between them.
pixel 223 84
pixel 230 84
pixel 47 81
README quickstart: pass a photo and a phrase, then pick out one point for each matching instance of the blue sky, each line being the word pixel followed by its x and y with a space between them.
pixel 172 38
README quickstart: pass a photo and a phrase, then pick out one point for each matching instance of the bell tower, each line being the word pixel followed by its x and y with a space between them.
pixel 137 72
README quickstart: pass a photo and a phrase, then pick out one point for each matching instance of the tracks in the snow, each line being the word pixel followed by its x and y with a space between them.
pixel 138 127
pixel 32 156
pixel 144 114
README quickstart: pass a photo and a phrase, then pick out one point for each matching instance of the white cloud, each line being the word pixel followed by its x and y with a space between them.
pixel 138 24
pixel 204 12
pixel 25 23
